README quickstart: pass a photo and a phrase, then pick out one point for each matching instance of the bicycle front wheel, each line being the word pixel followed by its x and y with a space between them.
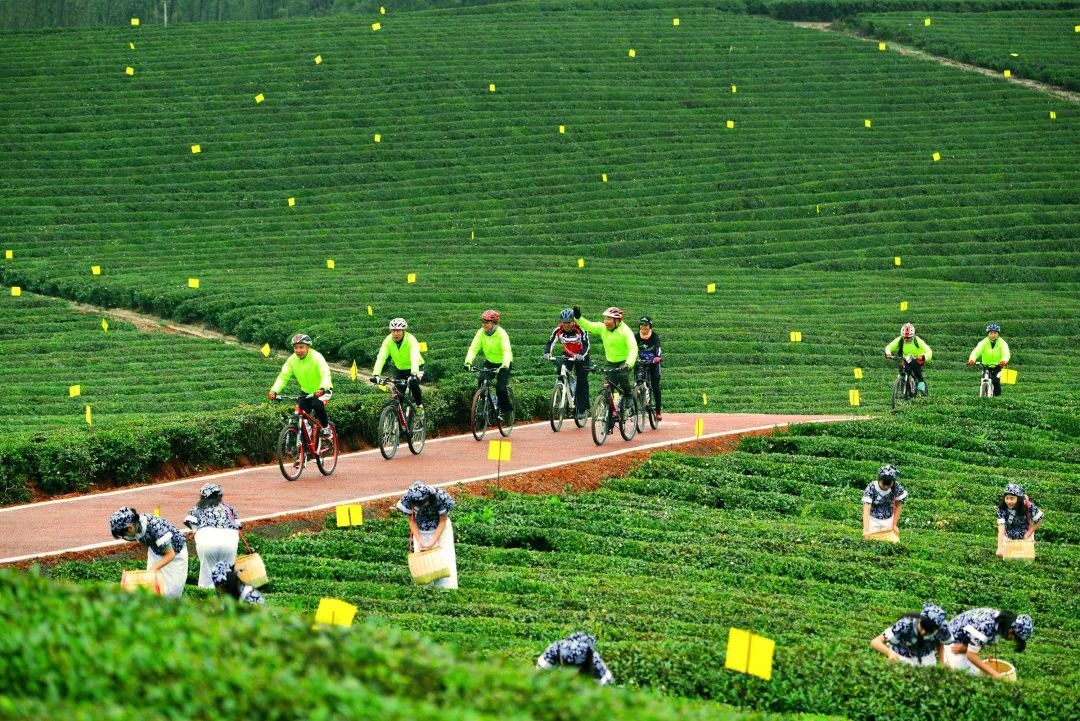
pixel 506 425
pixel 985 389
pixel 478 416
pixel 290 453
pixel 898 388
pixel 628 418
pixel 600 416
pixel 650 409
pixel 389 430
pixel 417 432
pixel 328 452
pixel 558 406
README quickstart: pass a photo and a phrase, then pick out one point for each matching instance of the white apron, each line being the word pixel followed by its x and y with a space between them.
pixel 880 524
pixel 929 659
pixel 214 545
pixel 174 575
pixel 447 542
pixel 960 662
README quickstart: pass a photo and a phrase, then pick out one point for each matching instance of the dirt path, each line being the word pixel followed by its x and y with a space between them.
pixel 922 55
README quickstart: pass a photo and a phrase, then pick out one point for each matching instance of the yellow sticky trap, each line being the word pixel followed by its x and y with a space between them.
pixel 131 46
pixel 265 350
pixel 353 372
pixel 259 98
pixel 89 416
pixel 318 59
pixel 581 262
pixel 332 612
pixel 796 336
pixel 699 427
pixel 710 288
pixel 903 305
pixel 730 124
pixel 562 129
pixel 1076 28
pixel 936 156
pixel 675 22
pixel 157 512
pixel 292 202
pixel 1014 55
pixel 498 450
pixel 192 282
pixel 382 10
pixel 749 653
pixel 472 235
pixel 104 325
pixel 704 399
pixel 632 53
pixel 734 89
pixel 9 254
pixel 370 310
pixel 16 291
pixel 926 22
pixel 818 208
pixel 196 149
pixel 135 22
pixel 738 650
pixel 330 263
pixel 866 123
pixel 74 391
pixel 411 278
pixel 129 70
pixel 350 515
pixel 378 137
pixel 1053 115
pixel 491 88
pixel 376 26
pixel 896 260
pixel 95 270
pixel 423 346
pixel 858 374
pixel 881 47
pixel 1008 73
pixel 603 177
pixel 853 397
pixel 1008 376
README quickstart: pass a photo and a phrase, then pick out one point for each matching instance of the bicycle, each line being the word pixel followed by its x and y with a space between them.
pixel 399 417
pixel 300 439
pixel 643 391
pixel 563 396
pixel 606 413
pixel 485 404
pixel 986 385
pixel 905 387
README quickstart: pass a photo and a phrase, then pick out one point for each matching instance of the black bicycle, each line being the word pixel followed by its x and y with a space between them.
pixel 301 438
pixel 485 406
pixel 400 417
pixel 905 387
pixel 643 391
pixel 606 412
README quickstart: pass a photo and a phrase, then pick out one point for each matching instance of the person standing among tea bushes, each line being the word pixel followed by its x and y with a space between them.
pixel 883 500
pixel 979 627
pixel 917 639
pixel 166 547
pixel 577 650
pixel 1017 517
pixel 217 531
pixel 428 510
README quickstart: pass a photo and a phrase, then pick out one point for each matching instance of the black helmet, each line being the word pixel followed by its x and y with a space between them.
pixel 645 320
pixel 300 338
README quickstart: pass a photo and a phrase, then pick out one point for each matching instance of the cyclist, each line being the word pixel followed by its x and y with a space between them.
pixel 494 343
pixel 993 352
pixel 404 350
pixel 620 346
pixel 575 343
pixel 909 344
pixel 648 344
pixel 313 374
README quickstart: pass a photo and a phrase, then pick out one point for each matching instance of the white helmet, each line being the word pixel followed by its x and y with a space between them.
pixel 399 324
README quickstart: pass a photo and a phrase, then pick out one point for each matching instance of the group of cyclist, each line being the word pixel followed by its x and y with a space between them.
pixel 913 353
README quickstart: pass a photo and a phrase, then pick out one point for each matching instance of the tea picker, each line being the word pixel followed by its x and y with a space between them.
pixel 577 650
pixel 917 639
pixel 227 581
pixel 217 531
pixel 883 501
pixel 431 535
pixel 166 547
pixel 979 627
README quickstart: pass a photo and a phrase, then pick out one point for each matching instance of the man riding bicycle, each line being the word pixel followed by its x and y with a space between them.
pixel 494 343
pixel 309 368
pixel 404 350
pixel 908 344
pixel 620 346
pixel 993 352
pixel 575 344
pixel 648 344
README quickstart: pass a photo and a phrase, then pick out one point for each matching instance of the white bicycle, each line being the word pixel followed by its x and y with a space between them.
pixel 562 397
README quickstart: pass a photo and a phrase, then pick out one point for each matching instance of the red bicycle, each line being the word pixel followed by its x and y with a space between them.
pixel 301 438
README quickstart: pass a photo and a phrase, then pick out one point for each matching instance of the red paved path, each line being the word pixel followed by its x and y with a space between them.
pixel 81 523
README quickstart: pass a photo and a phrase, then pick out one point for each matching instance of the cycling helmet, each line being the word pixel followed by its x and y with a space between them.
pixel 645 320
pixel 1014 489
pixel 907 330
pixel 932 617
pixel 888 473
pixel 300 338
pixel 613 312
pixel 492 315
pixel 993 328
pixel 567 315
pixel 120 521
pixel 399 324
pixel 1023 626
pixel 220 572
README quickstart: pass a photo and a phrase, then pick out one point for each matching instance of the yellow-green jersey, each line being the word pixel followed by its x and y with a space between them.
pixel 495 347
pixel 405 355
pixel 620 345
pixel 311 372
pixel 991 352
pixel 916 347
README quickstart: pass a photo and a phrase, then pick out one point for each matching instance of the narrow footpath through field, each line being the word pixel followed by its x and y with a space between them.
pixel 81 523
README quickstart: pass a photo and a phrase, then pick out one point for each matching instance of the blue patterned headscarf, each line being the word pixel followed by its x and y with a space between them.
pixel 576 647
pixel 120 521
pixel 1014 489
pixel 933 615
pixel 1023 626
pixel 888 473
pixel 220 572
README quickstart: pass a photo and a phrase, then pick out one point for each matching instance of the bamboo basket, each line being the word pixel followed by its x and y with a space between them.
pixel 887 536
pixel 251 570
pixel 1023 550
pixel 430 565
pixel 1003 667
pixel 150 580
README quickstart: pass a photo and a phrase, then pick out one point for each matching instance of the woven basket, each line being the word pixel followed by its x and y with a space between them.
pixel 430 565
pixel 252 570
pixel 887 536
pixel 150 580
pixel 1003 667
pixel 1019 550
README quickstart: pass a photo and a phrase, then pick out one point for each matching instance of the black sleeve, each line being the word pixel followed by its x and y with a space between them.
pixel 551 340
pixel 656 335
pixel 584 342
